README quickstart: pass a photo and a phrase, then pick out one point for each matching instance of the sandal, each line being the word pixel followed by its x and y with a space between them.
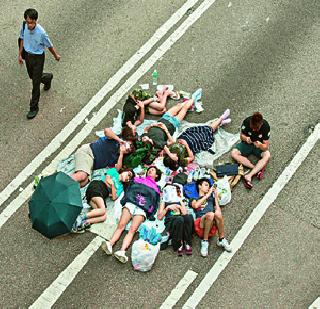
pixel 247 183
pixel 260 174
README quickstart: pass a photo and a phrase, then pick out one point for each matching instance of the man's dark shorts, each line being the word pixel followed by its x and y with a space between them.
pixel 248 149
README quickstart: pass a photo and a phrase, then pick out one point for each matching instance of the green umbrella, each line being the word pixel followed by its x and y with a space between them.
pixel 55 205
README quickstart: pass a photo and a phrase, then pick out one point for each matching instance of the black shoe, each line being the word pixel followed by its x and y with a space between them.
pixel 32 113
pixel 47 86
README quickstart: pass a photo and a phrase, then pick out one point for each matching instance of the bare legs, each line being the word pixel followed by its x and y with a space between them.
pixel 265 157
pixel 81 177
pixel 98 213
pixel 180 110
pixel 207 222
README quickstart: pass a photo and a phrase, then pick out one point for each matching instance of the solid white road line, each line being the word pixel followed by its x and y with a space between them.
pixel 57 287
pixel 95 100
pixel 315 304
pixel 115 98
pixel 253 219
pixel 179 290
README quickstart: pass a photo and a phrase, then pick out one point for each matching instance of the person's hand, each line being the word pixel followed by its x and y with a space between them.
pixel 174 207
pixel 161 125
pixel 140 104
pixel 20 60
pixel 182 141
pixel 257 144
pixel 210 192
pixel 57 57
pixel 215 191
pixel 248 140
pixel 121 141
pixel 123 148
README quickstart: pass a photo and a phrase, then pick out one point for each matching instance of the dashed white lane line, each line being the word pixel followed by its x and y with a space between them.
pixel 253 219
pixel 315 304
pixel 179 290
pixel 95 100
pixel 57 287
pixel 115 98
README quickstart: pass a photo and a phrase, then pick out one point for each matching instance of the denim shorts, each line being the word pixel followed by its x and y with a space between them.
pixel 173 120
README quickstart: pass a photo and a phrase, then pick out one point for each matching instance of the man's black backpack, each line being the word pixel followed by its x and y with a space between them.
pixel 23 54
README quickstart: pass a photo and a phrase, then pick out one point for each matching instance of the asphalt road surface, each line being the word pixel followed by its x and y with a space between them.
pixel 246 55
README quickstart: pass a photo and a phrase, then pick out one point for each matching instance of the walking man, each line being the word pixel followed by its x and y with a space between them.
pixel 255 133
pixel 34 40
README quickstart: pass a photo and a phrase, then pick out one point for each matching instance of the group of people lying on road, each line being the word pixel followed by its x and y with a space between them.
pixel 141 195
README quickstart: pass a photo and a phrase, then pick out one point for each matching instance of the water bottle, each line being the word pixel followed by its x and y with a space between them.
pixel 190 177
pixel 155 77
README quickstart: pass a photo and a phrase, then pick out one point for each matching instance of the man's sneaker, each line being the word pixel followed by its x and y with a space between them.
pixel 47 86
pixel 204 248
pixel 224 244
pixel 188 250
pixel 180 251
pixel 198 106
pixel 32 113
pixel 106 247
pixel 81 228
pixel 121 256
pixel 196 96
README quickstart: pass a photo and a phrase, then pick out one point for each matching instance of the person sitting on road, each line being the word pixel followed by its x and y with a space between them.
pixel 209 218
pixel 178 223
pixel 140 201
pixel 106 151
pixel 134 109
pixel 255 133
pixel 112 184
pixel 192 141
pixel 159 134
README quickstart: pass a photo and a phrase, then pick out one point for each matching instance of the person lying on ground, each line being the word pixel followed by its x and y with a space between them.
pixel 140 201
pixel 192 141
pixel 209 218
pixel 178 223
pixel 106 151
pixel 255 133
pixel 113 184
pixel 134 110
pixel 159 134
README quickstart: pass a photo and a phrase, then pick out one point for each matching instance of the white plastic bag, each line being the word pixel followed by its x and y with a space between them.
pixel 143 254
pixel 224 191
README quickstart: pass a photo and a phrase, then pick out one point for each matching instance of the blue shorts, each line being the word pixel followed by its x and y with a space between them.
pixel 173 120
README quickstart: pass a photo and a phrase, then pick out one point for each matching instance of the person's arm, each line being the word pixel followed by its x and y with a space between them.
pixel 142 113
pixel 110 185
pixel 165 129
pixel 20 60
pixel 162 211
pixel 190 157
pixel 262 146
pixel 245 138
pixel 217 208
pixel 54 53
pixel 119 163
pixel 183 208
pixel 110 134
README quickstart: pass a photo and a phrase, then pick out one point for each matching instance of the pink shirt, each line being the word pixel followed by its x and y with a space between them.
pixel 148 181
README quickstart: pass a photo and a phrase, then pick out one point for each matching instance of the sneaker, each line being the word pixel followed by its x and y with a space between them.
pixel 198 107
pixel 106 247
pixel 180 251
pixel 224 244
pixel 188 250
pixel 196 96
pixel 32 113
pixel 225 121
pixel 81 228
pixel 121 256
pixel 48 85
pixel 226 114
pixel 204 248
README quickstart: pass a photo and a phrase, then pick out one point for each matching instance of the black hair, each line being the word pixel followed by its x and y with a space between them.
pixel 172 164
pixel 199 182
pixel 31 13
pixel 126 184
pixel 127 134
pixel 158 172
pixel 130 112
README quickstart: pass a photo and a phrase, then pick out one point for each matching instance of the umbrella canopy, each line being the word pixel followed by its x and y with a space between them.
pixel 55 205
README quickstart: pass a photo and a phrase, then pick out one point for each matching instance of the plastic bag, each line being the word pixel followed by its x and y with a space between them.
pixel 224 191
pixel 143 255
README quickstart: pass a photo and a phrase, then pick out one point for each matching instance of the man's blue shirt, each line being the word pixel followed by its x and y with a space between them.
pixel 35 41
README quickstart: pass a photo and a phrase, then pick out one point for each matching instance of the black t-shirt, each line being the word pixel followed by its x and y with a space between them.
pixel 207 206
pixel 130 111
pixel 158 135
pixel 262 135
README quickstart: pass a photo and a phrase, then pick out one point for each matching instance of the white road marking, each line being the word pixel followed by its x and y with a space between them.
pixel 253 219
pixel 115 98
pixel 95 100
pixel 315 304
pixel 179 290
pixel 51 294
